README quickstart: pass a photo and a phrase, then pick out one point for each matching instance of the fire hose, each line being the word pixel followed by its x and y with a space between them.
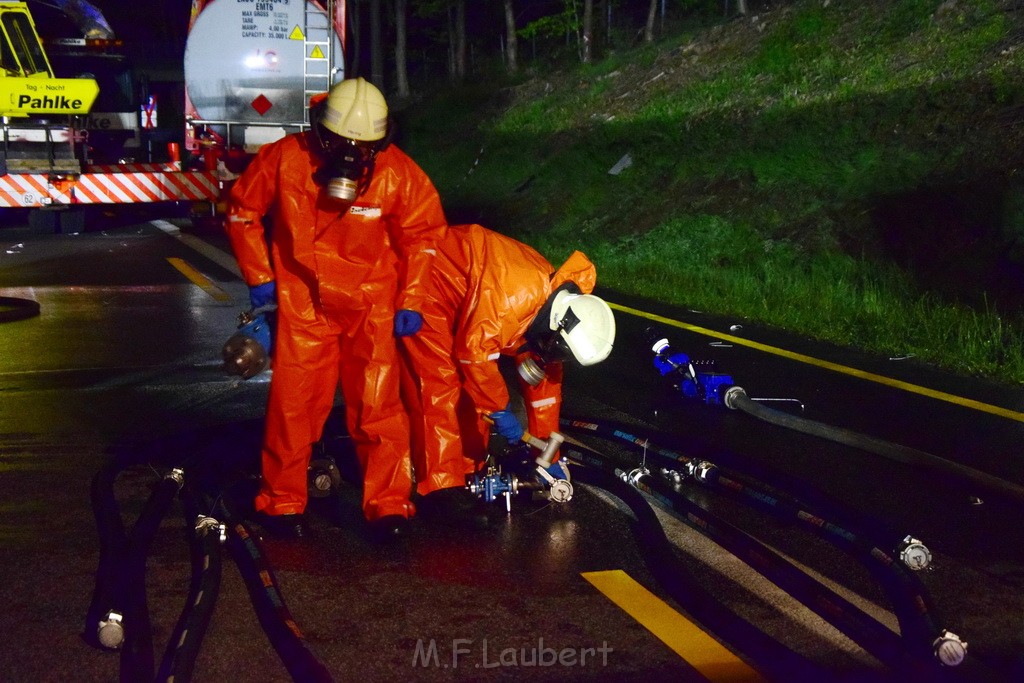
pixel 118 617
pixel 920 639
pixel 737 399
pixel 767 654
pixel 714 388
pixel 205 541
pixel 891 562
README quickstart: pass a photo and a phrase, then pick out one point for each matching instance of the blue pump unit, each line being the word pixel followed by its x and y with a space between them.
pixel 694 378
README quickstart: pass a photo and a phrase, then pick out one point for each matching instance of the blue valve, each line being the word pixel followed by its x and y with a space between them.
pixel 491 486
pixel 695 379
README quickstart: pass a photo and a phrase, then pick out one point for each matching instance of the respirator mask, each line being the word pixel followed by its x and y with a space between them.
pixel 347 164
pixel 545 344
pixel 350 126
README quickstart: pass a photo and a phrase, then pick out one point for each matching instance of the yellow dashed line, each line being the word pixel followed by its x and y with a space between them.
pixel 689 641
pixel 835 367
pixel 199 279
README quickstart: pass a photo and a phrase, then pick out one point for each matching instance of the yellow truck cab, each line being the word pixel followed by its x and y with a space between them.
pixel 27 84
pixel 38 131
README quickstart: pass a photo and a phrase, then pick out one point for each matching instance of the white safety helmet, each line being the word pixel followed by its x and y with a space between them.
pixel 585 326
pixel 357 110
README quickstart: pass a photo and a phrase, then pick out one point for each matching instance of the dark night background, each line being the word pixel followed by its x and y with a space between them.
pixel 153 32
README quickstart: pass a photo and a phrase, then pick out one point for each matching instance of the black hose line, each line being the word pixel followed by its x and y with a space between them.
pixel 736 398
pixel 14 308
pixel 183 647
pixel 775 501
pixel 907 596
pixel 766 482
pixel 137 663
pixel 120 577
pixel 866 631
pixel 113 551
pixel 770 656
pixel 269 604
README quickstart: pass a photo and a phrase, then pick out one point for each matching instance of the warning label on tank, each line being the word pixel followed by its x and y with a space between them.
pixel 261 19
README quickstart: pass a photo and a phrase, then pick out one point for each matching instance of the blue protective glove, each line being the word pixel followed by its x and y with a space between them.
pixel 507 424
pixel 263 295
pixel 407 322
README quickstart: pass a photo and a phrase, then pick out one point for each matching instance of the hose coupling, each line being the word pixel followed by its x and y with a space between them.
pixel 700 469
pixel 674 477
pixel 556 478
pixel 110 630
pixel 178 475
pixel 950 649
pixel 732 396
pixel 633 477
pixel 323 478
pixel 204 525
pixel 914 554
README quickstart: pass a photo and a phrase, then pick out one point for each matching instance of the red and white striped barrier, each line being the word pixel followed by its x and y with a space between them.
pixel 37 189
pixel 161 167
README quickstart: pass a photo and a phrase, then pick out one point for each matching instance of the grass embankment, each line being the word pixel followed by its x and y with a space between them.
pixel 845 170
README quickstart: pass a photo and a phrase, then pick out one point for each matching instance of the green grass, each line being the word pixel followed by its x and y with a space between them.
pixel 759 157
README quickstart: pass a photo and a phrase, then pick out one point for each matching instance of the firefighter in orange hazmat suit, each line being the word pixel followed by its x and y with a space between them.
pixel 353 220
pixel 490 295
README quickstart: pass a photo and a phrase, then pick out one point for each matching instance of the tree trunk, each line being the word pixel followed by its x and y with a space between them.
pixel 401 70
pixel 602 31
pixel 460 40
pixel 457 41
pixel 376 46
pixel 451 44
pixel 741 8
pixel 652 12
pixel 587 54
pixel 511 41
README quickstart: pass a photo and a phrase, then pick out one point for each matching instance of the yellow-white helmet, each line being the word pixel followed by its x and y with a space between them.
pixel 585 325
pixel 357 110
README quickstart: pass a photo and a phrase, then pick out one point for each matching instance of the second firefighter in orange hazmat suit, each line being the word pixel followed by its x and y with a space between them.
pixel 490 295
pixel 352 224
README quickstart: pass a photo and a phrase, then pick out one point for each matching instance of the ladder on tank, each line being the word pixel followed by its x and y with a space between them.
pixel 319 48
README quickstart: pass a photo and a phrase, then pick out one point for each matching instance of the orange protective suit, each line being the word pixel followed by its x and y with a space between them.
pixel 340 276
pixel 484 291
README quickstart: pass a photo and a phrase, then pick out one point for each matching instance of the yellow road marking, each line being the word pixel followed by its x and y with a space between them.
pixel 689 641
pixel 199 279
pixel 835 367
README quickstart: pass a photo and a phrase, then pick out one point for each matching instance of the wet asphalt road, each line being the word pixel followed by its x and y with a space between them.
pixel 124 357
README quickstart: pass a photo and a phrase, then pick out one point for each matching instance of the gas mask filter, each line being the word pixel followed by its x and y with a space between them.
pixel 347 166
pixel 531 372
pixel 343 188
